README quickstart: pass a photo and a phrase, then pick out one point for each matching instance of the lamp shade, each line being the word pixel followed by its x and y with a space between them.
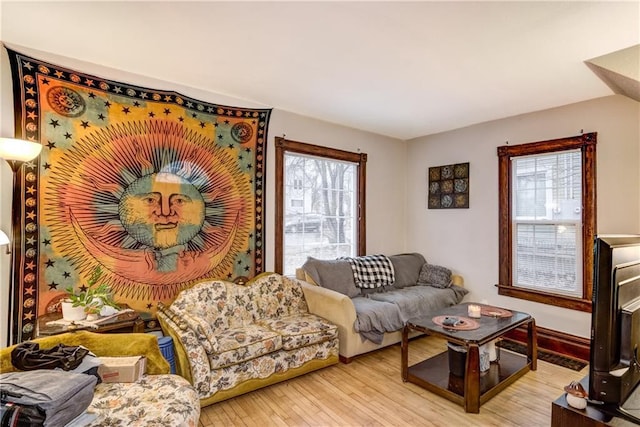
pixel 19 149
pixel 4 240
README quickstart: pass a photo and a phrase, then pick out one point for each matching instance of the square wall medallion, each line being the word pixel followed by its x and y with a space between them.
pixel 449 186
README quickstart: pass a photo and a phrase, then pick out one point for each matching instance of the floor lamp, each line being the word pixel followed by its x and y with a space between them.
pixel 16 152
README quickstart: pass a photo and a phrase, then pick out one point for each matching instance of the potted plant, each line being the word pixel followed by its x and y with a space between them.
pixel 80 303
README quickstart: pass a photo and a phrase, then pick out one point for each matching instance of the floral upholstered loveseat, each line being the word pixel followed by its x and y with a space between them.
pixel 157 399
pixel 231 339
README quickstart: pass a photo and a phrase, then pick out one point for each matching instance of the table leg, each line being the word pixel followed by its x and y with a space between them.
pixel 472 380
pixel 532 344
pixel 404 357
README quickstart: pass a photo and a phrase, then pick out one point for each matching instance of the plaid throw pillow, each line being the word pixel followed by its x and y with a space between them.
pixel 372 271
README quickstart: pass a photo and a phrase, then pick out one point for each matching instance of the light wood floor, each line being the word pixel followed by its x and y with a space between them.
pixel 369 392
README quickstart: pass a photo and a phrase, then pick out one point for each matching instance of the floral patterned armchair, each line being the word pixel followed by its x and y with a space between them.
pixel 158 398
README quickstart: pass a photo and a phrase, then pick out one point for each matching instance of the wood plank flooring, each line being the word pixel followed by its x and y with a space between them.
pixel 369 392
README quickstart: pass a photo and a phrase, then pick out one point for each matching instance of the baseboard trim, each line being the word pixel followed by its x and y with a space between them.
pixel 555 341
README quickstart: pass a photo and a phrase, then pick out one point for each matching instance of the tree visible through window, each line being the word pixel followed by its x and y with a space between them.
pixel 547 221
pixel 320 201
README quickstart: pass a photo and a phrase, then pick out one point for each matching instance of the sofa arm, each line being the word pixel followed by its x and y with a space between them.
pixel 331 305
pixel 106 345
pixel 456 279
pixel 192 362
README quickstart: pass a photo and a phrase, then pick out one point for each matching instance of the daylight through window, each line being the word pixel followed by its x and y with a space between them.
pixel 547 222
pixel 321 201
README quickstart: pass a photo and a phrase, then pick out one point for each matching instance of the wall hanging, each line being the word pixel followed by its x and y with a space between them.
pixel 157 189
pixel 449 186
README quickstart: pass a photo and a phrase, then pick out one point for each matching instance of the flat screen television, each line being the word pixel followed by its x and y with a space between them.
pixel 614 370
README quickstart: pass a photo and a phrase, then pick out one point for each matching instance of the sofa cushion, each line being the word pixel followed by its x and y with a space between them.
pixel 219 304
pixel 154 400
pixel 302 330
pixel 276 296
pixel 415 301
pixel 406 268
pixel 336 275
pixel 435 275
pixel 241 344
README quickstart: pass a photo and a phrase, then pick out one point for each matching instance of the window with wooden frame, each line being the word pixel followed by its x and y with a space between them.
pixel 548 220
pixel 320 204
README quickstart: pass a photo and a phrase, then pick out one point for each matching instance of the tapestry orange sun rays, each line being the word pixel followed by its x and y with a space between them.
pixel 157 189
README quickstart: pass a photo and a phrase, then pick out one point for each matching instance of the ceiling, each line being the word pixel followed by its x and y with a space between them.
pixel 401 69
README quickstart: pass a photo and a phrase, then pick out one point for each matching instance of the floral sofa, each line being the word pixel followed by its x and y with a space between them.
pixel 231 339
pixel 157 399
pixel 371 317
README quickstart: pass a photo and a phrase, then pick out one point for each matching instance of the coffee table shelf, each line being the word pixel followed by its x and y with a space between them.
pixel 433 374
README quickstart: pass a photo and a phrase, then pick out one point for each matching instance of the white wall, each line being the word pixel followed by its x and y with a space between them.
pixel 467 239
pixel 385 166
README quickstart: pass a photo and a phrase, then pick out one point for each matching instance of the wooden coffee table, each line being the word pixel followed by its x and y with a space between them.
pixel 475 388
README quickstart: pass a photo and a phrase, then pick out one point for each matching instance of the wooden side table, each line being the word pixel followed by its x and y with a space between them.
pixel 125 322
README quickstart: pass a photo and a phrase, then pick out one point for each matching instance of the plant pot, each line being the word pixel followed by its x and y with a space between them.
pixel 69 312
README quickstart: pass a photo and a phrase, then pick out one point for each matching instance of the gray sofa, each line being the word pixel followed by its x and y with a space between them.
pixel 369 319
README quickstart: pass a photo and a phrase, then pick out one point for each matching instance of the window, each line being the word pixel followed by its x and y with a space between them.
pixel 320 204
pixel 547 221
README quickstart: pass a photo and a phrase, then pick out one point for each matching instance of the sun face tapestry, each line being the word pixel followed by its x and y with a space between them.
pixel 157 189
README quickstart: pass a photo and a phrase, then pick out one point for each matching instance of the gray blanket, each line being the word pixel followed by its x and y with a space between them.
pixel 382 312
pixel 374 318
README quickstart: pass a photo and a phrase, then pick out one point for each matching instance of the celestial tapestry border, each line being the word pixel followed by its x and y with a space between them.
pixel 157 189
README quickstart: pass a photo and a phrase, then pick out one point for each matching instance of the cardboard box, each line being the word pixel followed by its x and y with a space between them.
pixel 122 369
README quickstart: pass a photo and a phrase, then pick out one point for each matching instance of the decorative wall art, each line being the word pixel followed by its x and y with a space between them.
pixel 156 188
pixel 449 186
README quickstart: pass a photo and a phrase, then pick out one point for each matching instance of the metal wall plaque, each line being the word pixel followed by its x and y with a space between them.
pixel 449 186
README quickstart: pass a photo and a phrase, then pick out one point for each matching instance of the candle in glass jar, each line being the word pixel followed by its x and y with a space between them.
pixel 474 310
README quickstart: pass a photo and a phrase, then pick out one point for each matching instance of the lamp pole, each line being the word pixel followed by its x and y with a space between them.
pixel 15 245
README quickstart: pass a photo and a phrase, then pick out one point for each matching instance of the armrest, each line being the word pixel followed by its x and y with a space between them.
pixel 331 305
pixel 107 345
pixel 192 362
pixel 456 279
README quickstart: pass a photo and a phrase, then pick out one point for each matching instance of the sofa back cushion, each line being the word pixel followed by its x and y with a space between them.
pixel 336 275
pixel 276 296
pixel 222 305
pixel 242 306
pixel 407 269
